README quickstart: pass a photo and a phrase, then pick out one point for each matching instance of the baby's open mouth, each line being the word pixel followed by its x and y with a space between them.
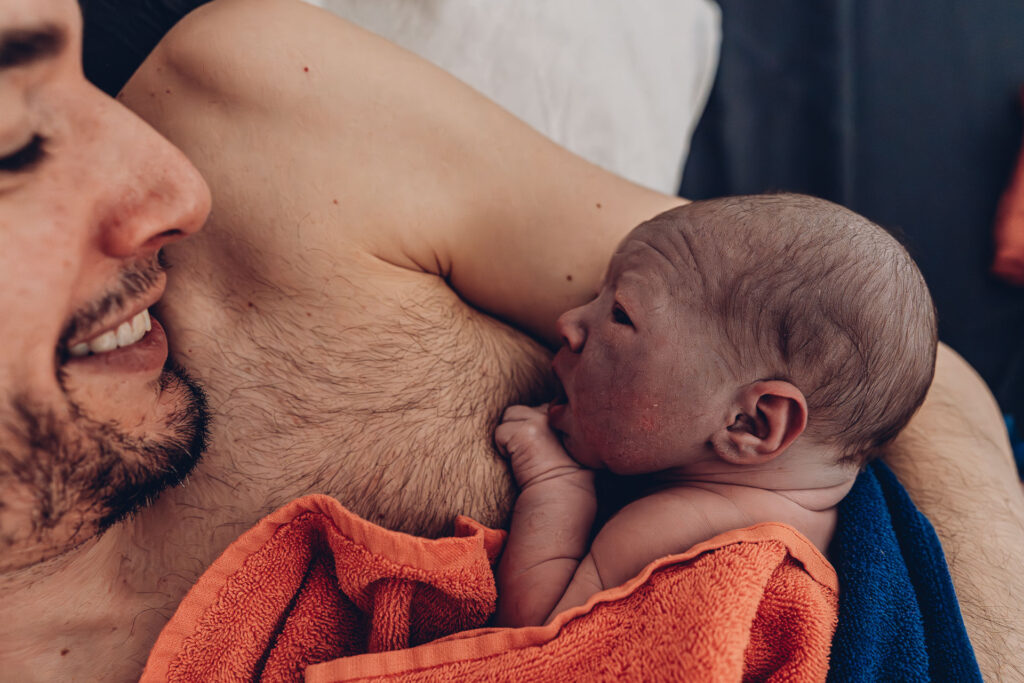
pixel 560 397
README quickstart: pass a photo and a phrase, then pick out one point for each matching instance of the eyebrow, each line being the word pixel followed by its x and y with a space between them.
pixel 24 46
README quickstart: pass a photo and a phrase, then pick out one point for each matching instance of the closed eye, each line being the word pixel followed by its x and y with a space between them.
pixel 620 316
pixel 25 158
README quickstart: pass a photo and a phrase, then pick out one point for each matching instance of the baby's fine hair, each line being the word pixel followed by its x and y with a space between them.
pixel 807 291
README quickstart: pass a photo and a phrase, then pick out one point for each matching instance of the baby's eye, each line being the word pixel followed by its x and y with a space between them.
pixel 25 158
pixel 620 316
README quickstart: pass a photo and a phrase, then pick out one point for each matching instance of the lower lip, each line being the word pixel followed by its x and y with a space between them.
pixel 146 355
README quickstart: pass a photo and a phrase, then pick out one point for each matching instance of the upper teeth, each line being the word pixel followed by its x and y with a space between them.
pixel 126 334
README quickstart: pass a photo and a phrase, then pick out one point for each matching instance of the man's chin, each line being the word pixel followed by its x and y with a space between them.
pixel 76 476
pixel 164 460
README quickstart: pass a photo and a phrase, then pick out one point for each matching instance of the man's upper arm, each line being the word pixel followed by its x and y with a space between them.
pixel 375 149
pixel 954 459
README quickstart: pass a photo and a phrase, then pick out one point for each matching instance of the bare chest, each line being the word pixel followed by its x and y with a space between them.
pixel 370 383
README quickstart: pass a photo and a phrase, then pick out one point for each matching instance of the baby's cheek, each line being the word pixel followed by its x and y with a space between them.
pixel 628 446
pixel 649 423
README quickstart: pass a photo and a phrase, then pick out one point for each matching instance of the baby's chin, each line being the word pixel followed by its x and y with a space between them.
pixel 573 448
pixel 585 457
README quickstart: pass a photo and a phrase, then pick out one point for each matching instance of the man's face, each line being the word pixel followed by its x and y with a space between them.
pixel 91 423
pixel 638 369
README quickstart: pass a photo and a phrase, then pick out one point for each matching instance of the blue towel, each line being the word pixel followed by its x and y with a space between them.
pixel 899 619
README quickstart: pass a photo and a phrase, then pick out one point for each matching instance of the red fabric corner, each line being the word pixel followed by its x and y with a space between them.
pixel 1008 263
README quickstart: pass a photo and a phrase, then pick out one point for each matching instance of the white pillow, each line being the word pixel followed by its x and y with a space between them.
pixel 620 83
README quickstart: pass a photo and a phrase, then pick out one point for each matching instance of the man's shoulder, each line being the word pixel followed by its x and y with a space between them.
pixel 234 47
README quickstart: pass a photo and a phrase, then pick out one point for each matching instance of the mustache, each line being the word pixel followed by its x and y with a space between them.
pixel 134 281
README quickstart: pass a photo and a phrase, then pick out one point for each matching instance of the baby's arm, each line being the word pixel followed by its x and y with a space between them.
pixel 551 521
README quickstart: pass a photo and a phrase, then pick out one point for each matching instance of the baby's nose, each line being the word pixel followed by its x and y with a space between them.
pixel 570 327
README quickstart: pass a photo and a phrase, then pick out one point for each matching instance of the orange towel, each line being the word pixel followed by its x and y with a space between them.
pixel 1009 236
pixel 315 590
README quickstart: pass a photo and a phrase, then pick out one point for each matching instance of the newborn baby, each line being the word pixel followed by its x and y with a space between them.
pixel 752 353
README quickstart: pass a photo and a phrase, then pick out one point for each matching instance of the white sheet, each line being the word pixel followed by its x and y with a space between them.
pixel 621 83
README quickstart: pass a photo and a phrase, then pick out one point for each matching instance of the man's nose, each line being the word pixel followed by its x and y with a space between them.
pixel 571 327
pixel 154 197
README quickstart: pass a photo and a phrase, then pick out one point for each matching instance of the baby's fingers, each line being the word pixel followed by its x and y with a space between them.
pixel 513 438
pixel 503 435
pixel 524 413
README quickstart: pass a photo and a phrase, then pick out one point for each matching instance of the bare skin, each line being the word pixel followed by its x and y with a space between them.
pixel 336 355
pixel 549 564
pixel 974 500
pixel 418 164
pixel 646 391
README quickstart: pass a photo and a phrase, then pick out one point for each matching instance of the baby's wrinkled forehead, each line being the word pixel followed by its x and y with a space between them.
pixel 659 248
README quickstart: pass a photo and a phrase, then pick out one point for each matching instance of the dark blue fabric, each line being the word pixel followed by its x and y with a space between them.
pixel 906 112
pixel 898 615
pixel 1017 443
pixel 119 34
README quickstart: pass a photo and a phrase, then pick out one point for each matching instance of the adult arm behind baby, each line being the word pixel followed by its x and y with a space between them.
pixel 954 459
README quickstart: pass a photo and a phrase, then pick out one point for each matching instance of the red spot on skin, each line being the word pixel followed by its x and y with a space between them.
pixel 168 91
pixel 306 69
pixel 64 652
pixel 335 201
pixel 568 278
pixel 598 205
pixel 251 305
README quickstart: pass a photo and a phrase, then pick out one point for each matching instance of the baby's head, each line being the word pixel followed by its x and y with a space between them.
pixel 726 328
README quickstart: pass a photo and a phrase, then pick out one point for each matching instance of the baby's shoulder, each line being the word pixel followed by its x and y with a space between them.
pixel 676 517
pixel 689 514
pixel 720 508
pixel 747 505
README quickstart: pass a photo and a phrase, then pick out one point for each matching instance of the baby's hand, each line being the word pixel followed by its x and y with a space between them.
pixel 551 523
pixel 533 449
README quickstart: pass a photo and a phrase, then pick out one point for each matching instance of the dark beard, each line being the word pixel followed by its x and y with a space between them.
pixel 90 469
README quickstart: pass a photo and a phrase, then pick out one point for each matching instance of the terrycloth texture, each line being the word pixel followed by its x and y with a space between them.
pixel 899 619
pixel 1009 259
pixel 313 583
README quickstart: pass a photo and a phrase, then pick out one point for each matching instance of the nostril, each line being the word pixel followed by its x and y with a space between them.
pixel 572 333
pixel 565 329
pixel 166 237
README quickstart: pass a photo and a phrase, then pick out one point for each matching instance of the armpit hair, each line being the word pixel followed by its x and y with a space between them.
pixel 392 413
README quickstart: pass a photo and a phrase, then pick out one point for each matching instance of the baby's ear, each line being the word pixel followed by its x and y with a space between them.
pixel 765 419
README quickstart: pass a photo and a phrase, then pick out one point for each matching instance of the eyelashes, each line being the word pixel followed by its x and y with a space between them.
pixel 25 158
pixel 620 316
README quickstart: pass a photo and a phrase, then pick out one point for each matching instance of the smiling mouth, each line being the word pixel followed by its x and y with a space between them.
pixel 126 334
